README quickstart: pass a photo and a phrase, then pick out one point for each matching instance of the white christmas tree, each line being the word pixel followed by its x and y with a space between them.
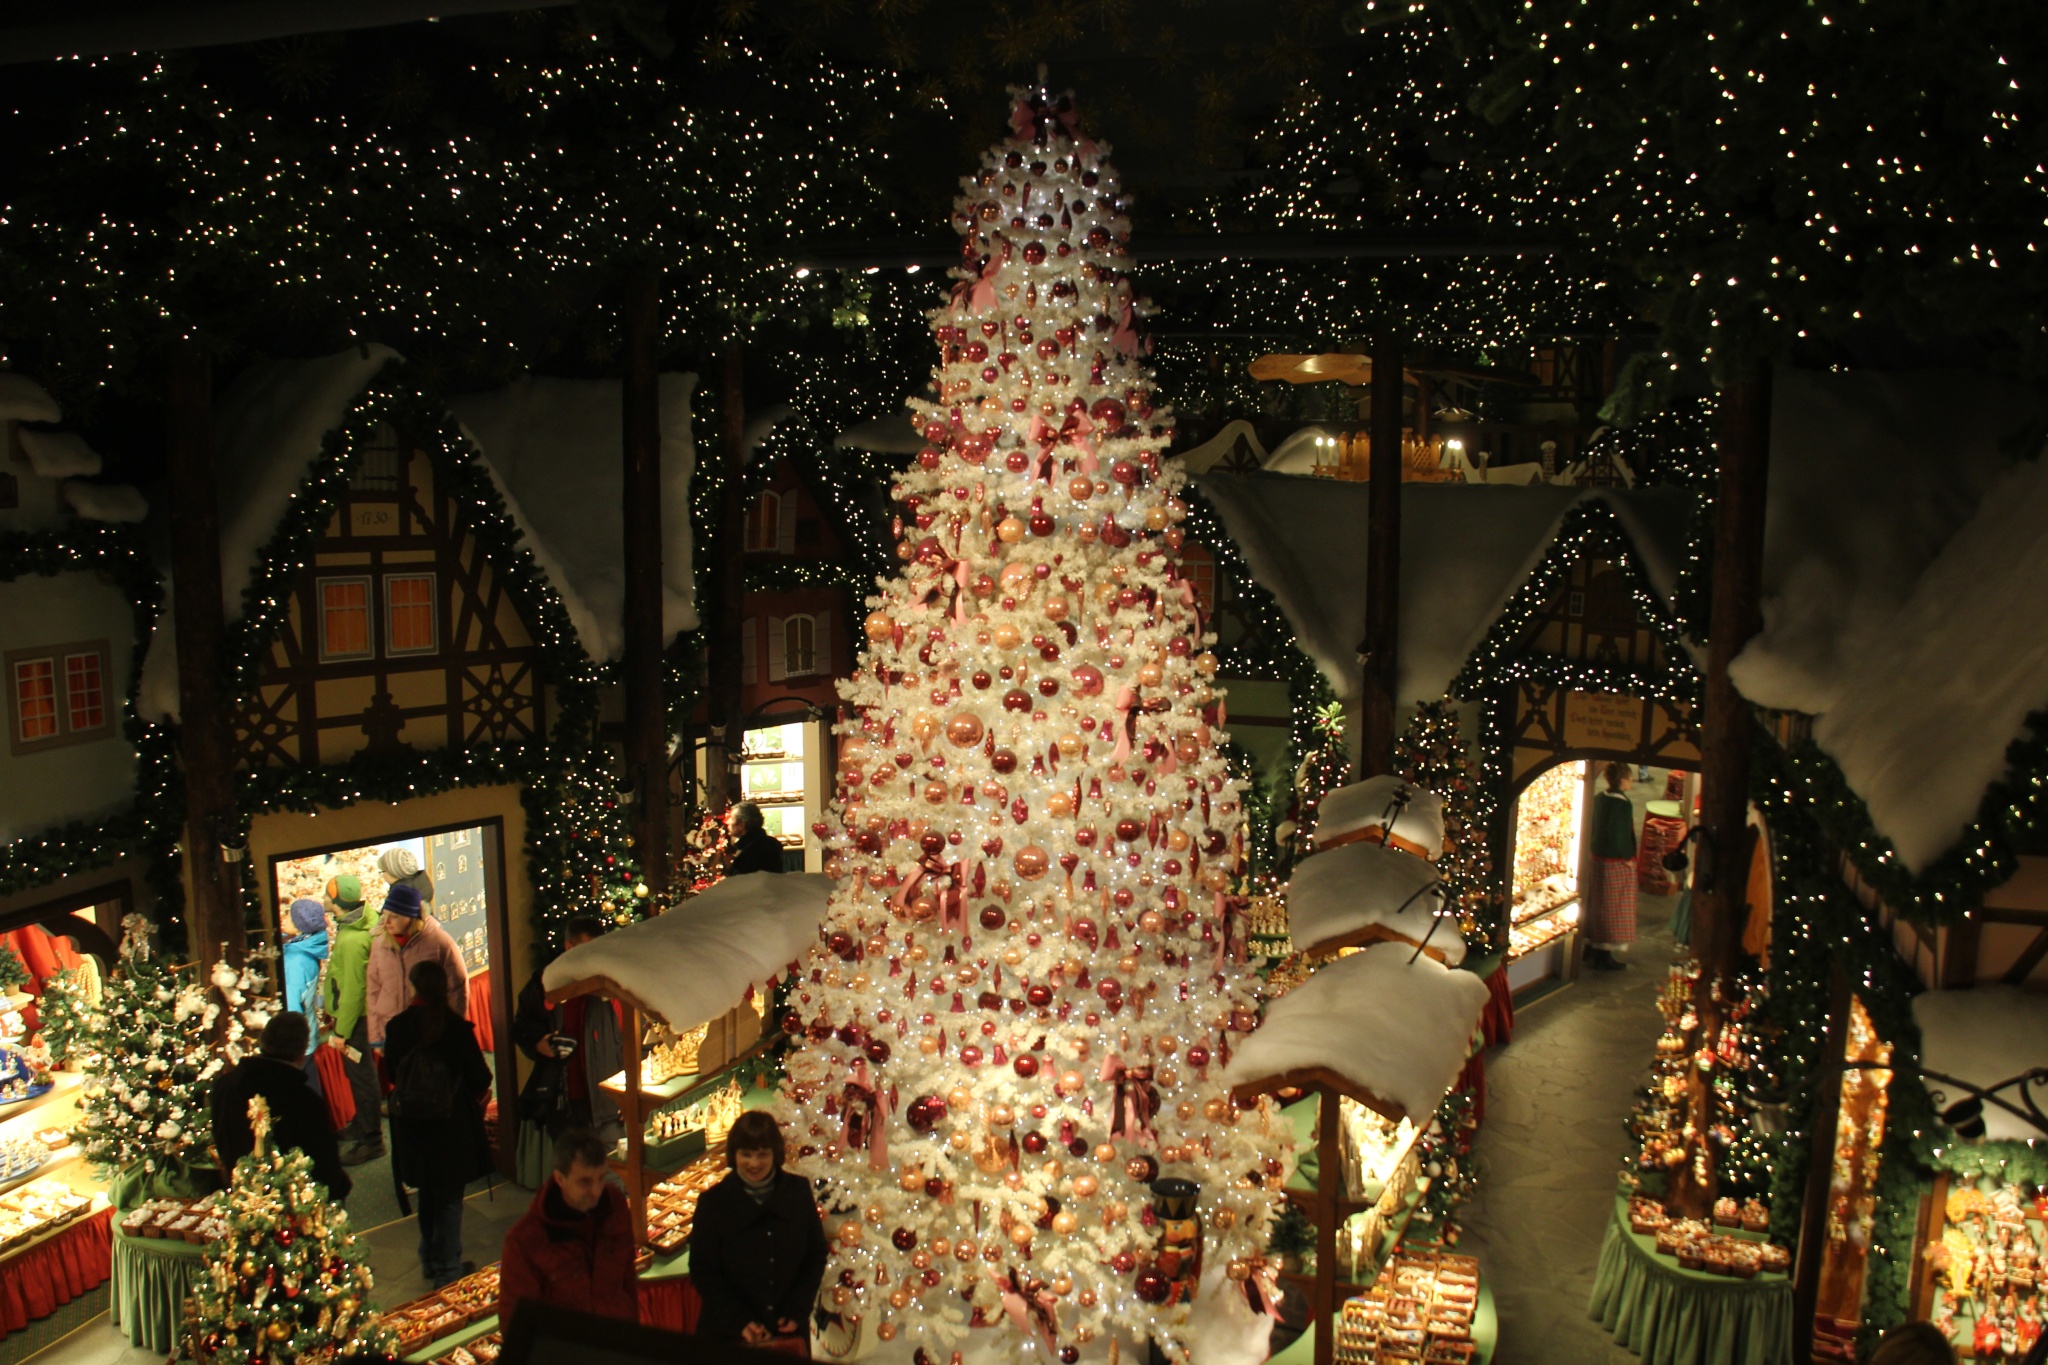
pixel 144 1102
pixel 1028 980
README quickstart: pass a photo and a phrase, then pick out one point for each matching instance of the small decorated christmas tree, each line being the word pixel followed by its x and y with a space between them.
pixel 288 1281
pixel 1322 770
pixel 1432 755
pixel 144 1103
pixel 13 976
pixel 67 1018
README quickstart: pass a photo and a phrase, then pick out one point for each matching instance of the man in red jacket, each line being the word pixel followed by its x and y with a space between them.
pixel 574 1246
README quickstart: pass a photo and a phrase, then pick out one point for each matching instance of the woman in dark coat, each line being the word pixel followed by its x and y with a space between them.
pixel 757 1250
pixel 440 1082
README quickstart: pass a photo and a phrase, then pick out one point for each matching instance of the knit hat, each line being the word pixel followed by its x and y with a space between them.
pixel 309 916
pixel 403 900
pixel 346 891
pixel 398 862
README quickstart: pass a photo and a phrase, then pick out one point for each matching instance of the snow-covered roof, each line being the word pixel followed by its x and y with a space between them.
pixel 24 400
pixel 59 454
pixel 1346 891
pixel 1465 549
pixel 1400 1030
pixel 696 961
pixel 554 448
pixel 1904 553
pixel 113 502
pixel 1418 818
pixel 1984 1035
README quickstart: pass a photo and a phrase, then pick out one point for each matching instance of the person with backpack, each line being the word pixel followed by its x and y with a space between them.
pixel 440 1083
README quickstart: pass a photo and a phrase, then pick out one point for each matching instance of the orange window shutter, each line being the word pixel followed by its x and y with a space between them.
pixel 85 693
pixel 35 699
pixel 409 609
pixel 344 619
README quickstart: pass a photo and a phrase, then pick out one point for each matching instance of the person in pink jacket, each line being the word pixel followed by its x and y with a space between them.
pixel 408 937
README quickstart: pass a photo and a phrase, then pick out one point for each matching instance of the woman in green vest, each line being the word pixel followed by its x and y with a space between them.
pixel 1610 923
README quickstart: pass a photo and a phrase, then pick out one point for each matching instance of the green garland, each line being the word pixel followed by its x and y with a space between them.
pixel 2009 1163
pixel 2012 815
pixel 1816 923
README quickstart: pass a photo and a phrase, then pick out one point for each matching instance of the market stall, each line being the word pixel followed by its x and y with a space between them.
pixel 1544 908
pixel 687 970
pixel 53 1213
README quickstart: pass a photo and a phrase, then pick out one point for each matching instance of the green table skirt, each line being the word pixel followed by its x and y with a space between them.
pixel 146 1296
pixel 1672 1316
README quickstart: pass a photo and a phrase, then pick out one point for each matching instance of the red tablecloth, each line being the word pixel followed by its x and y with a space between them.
pixel 38 1282
pixel 1472 1081
pixel 1497 1020
pixel 480 1010
pixel 670 1303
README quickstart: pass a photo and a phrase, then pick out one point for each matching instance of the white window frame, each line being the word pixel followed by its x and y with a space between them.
pixel 433 644
pixel 369 650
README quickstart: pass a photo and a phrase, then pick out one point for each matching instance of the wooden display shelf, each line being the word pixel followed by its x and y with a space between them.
pixel 66 1085
pixel 1546 912
pixel 67 1156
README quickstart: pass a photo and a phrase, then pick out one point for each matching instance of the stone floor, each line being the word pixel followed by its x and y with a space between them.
pixel 1548 1153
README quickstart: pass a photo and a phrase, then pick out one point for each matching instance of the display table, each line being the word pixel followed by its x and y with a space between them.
pixel 667 1300
pixel 51 1272
pixel 1672 1316
pixel 152 1276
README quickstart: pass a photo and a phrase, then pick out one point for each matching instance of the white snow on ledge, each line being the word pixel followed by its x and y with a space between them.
pixel 696 961
pixel 1364 805
pixel 59 454
pixel 1984 1035
pixel 1342 891
pixel 1398 1029
pixel 24 400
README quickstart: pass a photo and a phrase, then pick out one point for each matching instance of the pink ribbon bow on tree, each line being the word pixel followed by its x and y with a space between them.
pixel 1135 1101
pixel 1073 432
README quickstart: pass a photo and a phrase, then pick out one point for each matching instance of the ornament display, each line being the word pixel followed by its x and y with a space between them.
pixel 1035 833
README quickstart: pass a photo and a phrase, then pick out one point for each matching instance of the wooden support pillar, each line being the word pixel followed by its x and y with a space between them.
pixel 1329 1194
pixel 1728 729
pixel 1383 564
pixel 646 709
pixel 214 916
pixel 726 730
pixel 1820 1166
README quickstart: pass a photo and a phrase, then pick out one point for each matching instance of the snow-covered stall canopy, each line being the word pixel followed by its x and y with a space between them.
pixel 696 961
pixel 553 448
pixel 1904 555
pixel 1356 892
pixel 1985 1035
pixel 1465 549
pixel 1386 808
pixel 1394 1028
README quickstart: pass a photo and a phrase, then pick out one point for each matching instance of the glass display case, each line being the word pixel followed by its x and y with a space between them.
pixel 1549 821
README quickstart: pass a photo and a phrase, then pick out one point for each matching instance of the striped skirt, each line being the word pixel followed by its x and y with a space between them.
pixel 1610 919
